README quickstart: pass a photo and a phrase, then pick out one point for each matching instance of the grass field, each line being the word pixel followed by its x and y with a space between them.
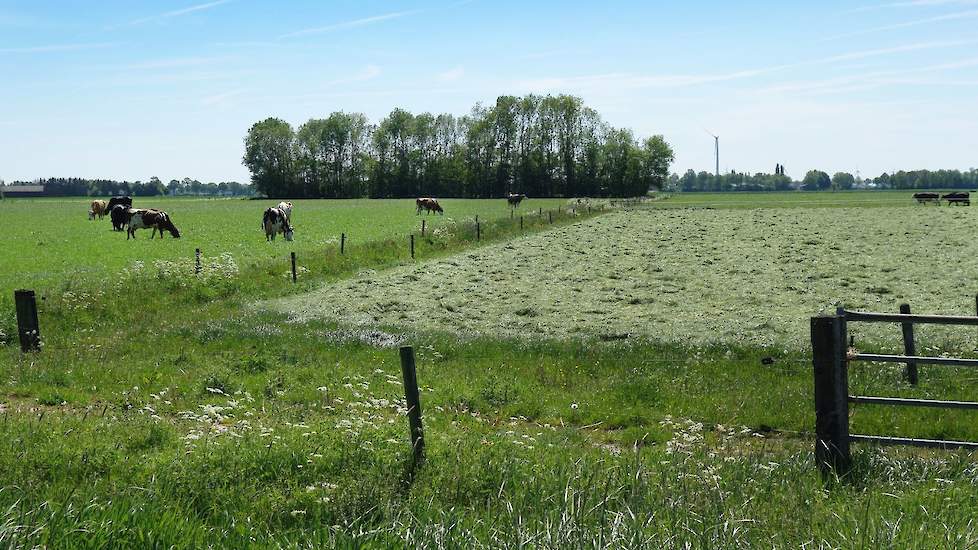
pixel 169 409
pixel 51 242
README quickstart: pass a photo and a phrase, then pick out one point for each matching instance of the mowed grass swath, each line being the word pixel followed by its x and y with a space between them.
pixel 163 414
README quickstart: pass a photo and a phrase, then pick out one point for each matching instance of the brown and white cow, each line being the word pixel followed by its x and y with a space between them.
pixel 514 199
pixel 286 208
pixel 274 221
pixel 157 220
pixel 99 208
pixel 429 205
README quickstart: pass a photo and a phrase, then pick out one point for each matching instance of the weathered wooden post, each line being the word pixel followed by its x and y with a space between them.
pixel 550 216
pixel 292 256
pixel 521 224
pixel 831 394
pixel 589 210
pixel 540 213
pixel 412 245
pixel 909 348
pixel 27 326
pixel 422 227
pixel 413 399
pixel 477 219
pixel 478 231
pixel 197 261
pixel 342 242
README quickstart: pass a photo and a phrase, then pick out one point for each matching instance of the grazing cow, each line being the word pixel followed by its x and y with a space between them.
pixel 157 220
pixel 119 214
pixel 514 199
pixel 428 205
pixel 958 198
pixel 286 208
pixel 91 214
pixel 923 198
pixel 274 221
pixel 125 201
pixel 99 208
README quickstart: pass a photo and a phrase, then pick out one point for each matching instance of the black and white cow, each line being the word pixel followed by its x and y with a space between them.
pixel 274 221
pixel 157 220
pixel 286 208
pixel 119 214
pixel 125 201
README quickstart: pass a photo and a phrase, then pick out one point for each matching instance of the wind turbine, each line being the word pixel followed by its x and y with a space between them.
pixel 716 142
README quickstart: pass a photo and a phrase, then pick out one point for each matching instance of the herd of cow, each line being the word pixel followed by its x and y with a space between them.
pixel 125 217
pixel 936 198
pixel 275 220
pixel 429 205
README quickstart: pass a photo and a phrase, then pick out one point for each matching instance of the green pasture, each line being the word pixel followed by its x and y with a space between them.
pixel 169 409
pixel 49 242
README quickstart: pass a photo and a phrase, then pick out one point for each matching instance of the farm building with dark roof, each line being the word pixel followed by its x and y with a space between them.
pixel 17 191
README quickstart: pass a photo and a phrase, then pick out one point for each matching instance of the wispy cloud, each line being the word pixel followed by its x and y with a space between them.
pixel 222 98
pixel 452 74
pixel 176 62
pixel 57 48
pixel 631 81
pixel 868 80
pixel 179 12
pixel 369 72
pixel 956 16
pixel 351 24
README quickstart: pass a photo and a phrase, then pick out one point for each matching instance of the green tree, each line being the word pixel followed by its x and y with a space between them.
pixel 816 180
pixel 270 156
pixel 843 180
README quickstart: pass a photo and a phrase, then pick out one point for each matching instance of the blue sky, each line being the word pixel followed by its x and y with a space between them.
pixel 129 90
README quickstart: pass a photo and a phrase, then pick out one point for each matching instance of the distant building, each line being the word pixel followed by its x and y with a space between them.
pixel 19 191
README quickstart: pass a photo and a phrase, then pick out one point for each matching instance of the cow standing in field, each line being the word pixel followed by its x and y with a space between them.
pixel 274 221
pixel 286 208
pixel 924 198
pixel 119 214
pixel 156 220
pixel 99 208
pixel 125 201
pixel 514 199
pixel 957 198
pixel 428 205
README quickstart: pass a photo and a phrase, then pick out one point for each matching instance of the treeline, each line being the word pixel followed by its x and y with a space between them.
pixel 817 180
pixel 153 187
pixel 543 146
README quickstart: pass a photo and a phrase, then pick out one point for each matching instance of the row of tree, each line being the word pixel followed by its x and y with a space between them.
pixel 817 180
pixel 153 187
pixel 539 145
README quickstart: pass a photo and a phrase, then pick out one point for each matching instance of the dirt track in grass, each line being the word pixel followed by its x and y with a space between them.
pixel 751 277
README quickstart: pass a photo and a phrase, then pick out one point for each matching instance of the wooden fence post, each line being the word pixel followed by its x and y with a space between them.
pixel 292 256
pixel 422 227
pixel 197 261
pixel 413 399
pixel 412 245
pixel 550 216
pixel 831 394
pixel 478 231
pixel 541 212
pixel 342 242
pixel 909 348
pixel 521 224
pixel 27 326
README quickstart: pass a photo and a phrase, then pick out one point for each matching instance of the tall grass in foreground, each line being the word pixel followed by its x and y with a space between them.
pixel 495 486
